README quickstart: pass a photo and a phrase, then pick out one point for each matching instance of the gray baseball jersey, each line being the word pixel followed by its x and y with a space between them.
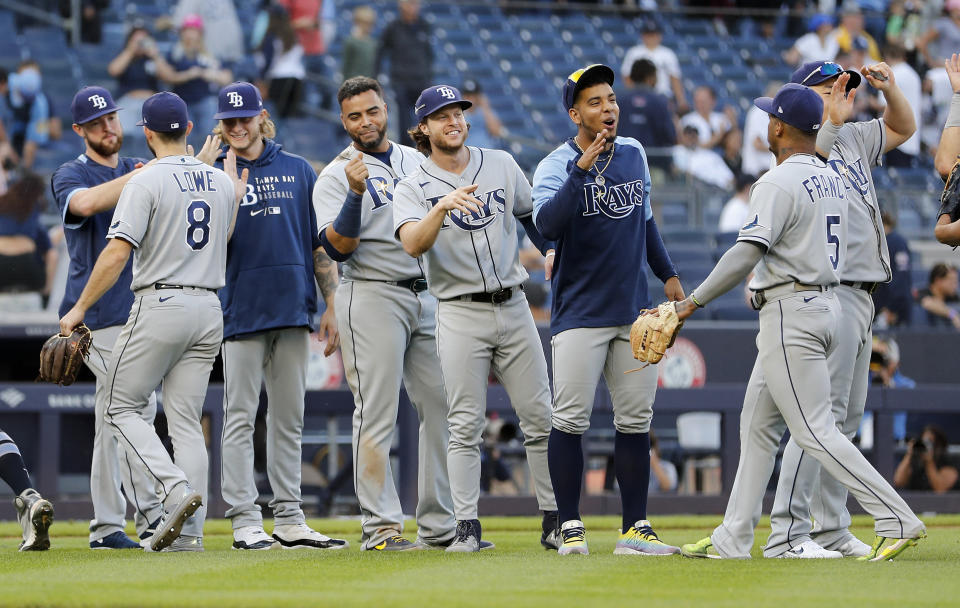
pixel 859 148
pixel 472 253
pixel 380 258
pixel 796 208
pixel 177 215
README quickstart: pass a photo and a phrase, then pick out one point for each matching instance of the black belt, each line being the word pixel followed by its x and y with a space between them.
pixel 867 286
pixel 489 297
pixel 415 285
pixel 169 286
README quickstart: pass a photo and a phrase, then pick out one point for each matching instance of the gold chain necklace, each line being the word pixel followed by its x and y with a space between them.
pixel 600 180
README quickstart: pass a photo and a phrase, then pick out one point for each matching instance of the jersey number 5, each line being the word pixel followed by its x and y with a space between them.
pixel 832 239
pixel 198 224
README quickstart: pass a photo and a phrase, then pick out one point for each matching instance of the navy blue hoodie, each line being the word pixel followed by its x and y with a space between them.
pixel 270 279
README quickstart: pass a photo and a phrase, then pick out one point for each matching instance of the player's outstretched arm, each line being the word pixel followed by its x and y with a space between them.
pixel 898 116
pixel 102 197
pixel 949 148
pixel 732 268
pixel 839 110
pixel 947 232
pixel 325 271
pixel 419 236
pixel 105 273
pixel 239 186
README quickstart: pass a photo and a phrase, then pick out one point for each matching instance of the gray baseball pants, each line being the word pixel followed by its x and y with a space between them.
pixel 115 478
pixel 474 338
pixel 789 389
pixel 387 336
pixel 276 359
pixel 174 342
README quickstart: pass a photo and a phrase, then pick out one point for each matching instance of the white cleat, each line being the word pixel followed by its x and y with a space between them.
pixel 853 547
pixel 810 550
pixel 301 536
pixel 252 538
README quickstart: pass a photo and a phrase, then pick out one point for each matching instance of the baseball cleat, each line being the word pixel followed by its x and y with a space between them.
pixel 397 543
pixel 701 548
pixel 301 536
pixel 35 514
pixel 852 547
pixel 467 539
pixel 881 553
pixel 810 550
pixel 185 543
pixel 169 528
pixel 640 539
pixel 484 544
pixel 149 532
pixel 117 540
pixel 550 539
pixel 574 538
pixel 252 538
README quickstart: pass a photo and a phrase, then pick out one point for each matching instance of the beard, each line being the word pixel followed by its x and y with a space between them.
pixel 381 134
pixel 105 149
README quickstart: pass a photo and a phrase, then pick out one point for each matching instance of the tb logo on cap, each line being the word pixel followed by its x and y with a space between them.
pixel 446 92
pixel 98 101
pixel 235 99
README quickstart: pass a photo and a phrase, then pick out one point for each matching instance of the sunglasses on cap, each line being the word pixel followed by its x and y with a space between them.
pixel 828 69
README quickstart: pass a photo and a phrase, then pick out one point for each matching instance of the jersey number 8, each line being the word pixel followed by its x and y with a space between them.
pixel 198 224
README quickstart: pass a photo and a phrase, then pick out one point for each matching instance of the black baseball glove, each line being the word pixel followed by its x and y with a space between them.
pixel 950 198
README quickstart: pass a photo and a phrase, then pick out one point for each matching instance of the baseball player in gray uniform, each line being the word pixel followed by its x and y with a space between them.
pixel 796 240
pixel 458 210
pixel 387 321
pixel 811 507
pixel 178 215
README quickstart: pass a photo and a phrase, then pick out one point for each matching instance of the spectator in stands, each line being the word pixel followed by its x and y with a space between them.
pixel 645 115
pixel 91 24
pixel 27 260
pixel 905 25
pixel 696 162
pixel 663 473
pixel 893 301
pixel 816 45
pixel 943 37
pixel 756 156
pixel 711 126
pixel 33 123
pixel 730 145
pixel 851 27
pixel 907 153
pixel 314 22
pixel 926 465
pixel 285 71
pixel 669 79
pixel 939 295
pixel 734 213
pixel 360 49
pixel 136 69
pixel 8 156
pixel 197 75
pixel 227 46
pixel 406 42
pixel 485 127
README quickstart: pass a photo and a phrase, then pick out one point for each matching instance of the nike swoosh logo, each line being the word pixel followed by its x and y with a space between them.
pixel 808 300
pixel 114 225
pixel 166 298
pixel 257 211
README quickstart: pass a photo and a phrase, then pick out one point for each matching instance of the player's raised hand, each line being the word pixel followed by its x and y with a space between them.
pixel 461 200
pixel 239 182
pixel 879 75
pixel 590 155
pixel 208 153
pixel 840 106
pixel 952 64
pixel 357 174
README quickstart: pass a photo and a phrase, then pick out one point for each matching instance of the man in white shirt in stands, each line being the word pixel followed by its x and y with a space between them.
pixel 669 80
pixel 816 45
pixel 734 214
pixel 755 156
pixel 712 126
pixel 909 82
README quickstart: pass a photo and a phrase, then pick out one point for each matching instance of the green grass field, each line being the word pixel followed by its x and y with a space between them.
pixel 517 573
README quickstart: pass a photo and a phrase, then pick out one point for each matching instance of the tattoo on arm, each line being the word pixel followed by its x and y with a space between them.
pixel 325 270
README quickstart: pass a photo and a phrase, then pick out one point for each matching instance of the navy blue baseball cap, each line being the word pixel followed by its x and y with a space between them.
pixel 91 103
pixel 796 105
pixel 164 112
pixel 438 96
pixel 238 100
pixel 572 86
pixel 815 72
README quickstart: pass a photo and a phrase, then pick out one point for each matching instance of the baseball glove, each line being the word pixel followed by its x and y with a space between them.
pixel 654 331
pixel 62 356
pixel 950 198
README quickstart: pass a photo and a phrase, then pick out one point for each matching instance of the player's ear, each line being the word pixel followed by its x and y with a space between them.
pixel 189 127
pixel 78 129
pixel 574 116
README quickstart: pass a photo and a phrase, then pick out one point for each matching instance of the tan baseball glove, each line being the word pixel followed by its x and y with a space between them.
pixel 62 356
pixel 654 332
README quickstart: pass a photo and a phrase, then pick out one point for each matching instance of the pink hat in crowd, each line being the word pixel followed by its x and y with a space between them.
pixel 194 21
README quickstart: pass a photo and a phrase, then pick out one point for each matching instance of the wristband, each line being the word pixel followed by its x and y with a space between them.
pixel 953 116
pixel 694 299
pixel 348 220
